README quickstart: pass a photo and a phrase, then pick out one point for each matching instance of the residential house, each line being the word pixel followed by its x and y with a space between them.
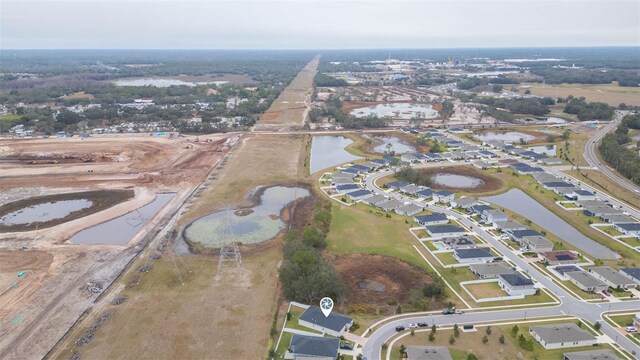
pixel 359 194
pixel 586 281
pixel 459 242
pixel 424 194
pixel 617 219
pixel 482 165
pixel 410 158
pixel 631 273
pixel 556 336
pixel 411 189
pixel 464 202
pixel 375 200
pixel 581 195
pixel 431 219
pixel 428 353
pixel 612 277
pixel 493 216
pixel 443 231
pixel 600 211
pixel 553 185
pixel 552 161
pixel 346 188
pixel 304 347
pixel 519 234
pixel 516 284
pixel 396 185
pixel 409 210
pixel 335 324
pixel 390 205
pixel 475 255
pixel 559 257
pixel 491 270
pixel 443 196
pixel 506 226
pixel 602 354
pixel 628 228
pixel 537 243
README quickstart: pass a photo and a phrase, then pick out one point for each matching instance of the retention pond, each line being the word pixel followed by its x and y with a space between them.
pixel 328 151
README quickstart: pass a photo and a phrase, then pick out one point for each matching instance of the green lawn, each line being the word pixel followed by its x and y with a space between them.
pixel 284 345
pixel 446 258
pixel 623 321
pixel 358 229
pixel 610 230
pixel 10 117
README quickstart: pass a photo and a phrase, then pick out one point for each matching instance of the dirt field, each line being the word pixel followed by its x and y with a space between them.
pixel 38 308
pixel 206 314
pixel 375 279
pixel 490 183
pixel 611 94
pixel 290 108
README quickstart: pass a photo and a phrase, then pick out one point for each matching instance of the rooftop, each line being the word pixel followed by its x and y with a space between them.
pixel 610 274
pixel 632 272
pixel 629 226
pixel 473 253
pixel 561 333
pixel 522 233
pixel 560 255
pixel 516 279
pixel 442 229
pixel 585 278
pixel 359 193
pixel 491 269
pixel 604 354
pixel 431 217
pixel 314 346
pixel 334 321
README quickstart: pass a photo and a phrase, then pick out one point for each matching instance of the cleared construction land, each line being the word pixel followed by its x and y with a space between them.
pixel 46 283
pixel 611 94
pixel 291 107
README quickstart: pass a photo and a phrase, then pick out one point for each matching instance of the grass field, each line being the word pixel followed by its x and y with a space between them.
pixel 10 117
pixel 603 183
pixel 485 290
pixel 611 94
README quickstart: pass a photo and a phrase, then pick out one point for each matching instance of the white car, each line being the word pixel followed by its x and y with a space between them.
pixel 412 326
pixel 631 329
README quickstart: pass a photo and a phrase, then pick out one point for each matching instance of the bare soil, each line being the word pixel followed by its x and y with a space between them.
pixel 366 276
pixel 491 183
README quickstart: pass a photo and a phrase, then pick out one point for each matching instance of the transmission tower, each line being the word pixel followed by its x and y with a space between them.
pixel 230 257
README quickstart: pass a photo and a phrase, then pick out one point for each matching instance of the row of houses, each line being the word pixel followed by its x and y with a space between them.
pixel 523 153
pixel 599 278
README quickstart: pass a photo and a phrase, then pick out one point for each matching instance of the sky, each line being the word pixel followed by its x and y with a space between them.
pixel 306 24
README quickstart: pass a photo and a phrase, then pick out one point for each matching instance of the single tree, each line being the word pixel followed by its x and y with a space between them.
pixel 485 339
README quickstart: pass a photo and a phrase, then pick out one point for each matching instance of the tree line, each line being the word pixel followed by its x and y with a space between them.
pixel 617 152
pixel 588 111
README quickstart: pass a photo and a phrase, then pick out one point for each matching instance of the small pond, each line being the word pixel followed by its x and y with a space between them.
pixel 508 137
pixel 392 144
pixel 248 227
pixel 405 111
pixel 549 150
pixel 163 82
pixel 120 230
pixel 456 181
pixel 555 120
pixel 328 151
pixel 44 212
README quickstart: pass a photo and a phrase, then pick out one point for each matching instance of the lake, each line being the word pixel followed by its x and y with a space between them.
pixel 456 181
pixel 328 151
pixel 249 226
pixel 404 111
pixel 521 203
pixel 44 212
pixel 392 143
pixel 122 229
pixel 163 82
pixel 507 137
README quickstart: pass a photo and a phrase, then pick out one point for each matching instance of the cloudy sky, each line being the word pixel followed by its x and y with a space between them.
pixel 305 24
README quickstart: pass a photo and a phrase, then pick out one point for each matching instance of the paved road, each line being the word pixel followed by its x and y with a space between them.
pixel 592 158
pixel 569 304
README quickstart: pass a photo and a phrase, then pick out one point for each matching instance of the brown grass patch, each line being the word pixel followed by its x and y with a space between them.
pixel 491 183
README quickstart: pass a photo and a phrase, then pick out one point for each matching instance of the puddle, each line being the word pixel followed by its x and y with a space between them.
pixel 405 111
pixel 229 226
pixel 120 230
pixel 328 151
pixel 44 212
pixel 457 181
pixel 392 144
pixel 508 137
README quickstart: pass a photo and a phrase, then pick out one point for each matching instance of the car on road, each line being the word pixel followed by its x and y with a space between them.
pixel 399 328
pixel 631 329
pixel 346 346
pixel 412 326
pixel 451 311
pixel 423 324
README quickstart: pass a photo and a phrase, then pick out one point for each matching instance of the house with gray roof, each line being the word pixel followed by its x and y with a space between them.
pixel 464 202
pixel 346 188
pixel 493 216
pixel 612 277
pixel 443 196
pixel 431 219
pixel 359 194
pixel 428 353
pixel 628 228
pixel 424 193
pixel 586 281
pixel 411 189
pixel 397 184
pixel 509 226
pixel 390 205
pixel 556 336
pixel 375 200
pixel 341 181
pixel 616 219
pixel 580 195
pixel 443 231
pixel 519 234
pixel 491 270
pixel 335 324
pixel 603 354
pixel 409 210
pixel 516 284
pixel 600 211
pixel 537 243
pixel 459 242
pixel 631 273
pixel 303 347
pixel 475 255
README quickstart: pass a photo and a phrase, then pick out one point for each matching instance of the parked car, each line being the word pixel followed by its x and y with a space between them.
pixel 412 326
pixel 423 324
pixel 399 328
pixel 346 346
pixel 631 329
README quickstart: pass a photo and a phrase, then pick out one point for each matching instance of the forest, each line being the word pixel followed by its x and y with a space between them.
pixel 588 111
pixel 617 149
